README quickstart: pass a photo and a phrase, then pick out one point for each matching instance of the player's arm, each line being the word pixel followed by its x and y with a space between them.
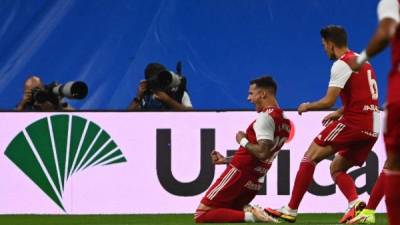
pixel 264 128
pixel 324 103
pixel 261 150
pixel 388 13
pixel 340 73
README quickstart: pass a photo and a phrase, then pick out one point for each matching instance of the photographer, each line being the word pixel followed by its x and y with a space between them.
pixel 162 89
pixel 30 102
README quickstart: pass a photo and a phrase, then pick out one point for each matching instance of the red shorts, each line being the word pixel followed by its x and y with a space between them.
pixel 351 143
pixel 233 189
pixel 392 127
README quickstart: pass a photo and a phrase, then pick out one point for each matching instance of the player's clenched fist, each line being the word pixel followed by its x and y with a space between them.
pixel 217 158
pixel 239 136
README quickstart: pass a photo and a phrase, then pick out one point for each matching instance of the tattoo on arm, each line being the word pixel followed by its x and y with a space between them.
pixel 228 159
pixel 261 150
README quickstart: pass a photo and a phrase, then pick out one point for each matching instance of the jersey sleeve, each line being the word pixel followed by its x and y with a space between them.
pixel 340 73
pixel 186 100
pixel 389 9
pixel 264 127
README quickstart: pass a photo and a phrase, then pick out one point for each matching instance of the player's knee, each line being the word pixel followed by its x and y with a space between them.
pixel 335 168
pixel 317 153
pixel 199 216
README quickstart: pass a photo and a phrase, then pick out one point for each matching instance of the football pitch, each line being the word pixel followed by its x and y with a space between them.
pixel 153 219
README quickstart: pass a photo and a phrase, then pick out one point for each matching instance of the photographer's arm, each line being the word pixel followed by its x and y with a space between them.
pixel 135 103
pixel 26 99
pixel 174 105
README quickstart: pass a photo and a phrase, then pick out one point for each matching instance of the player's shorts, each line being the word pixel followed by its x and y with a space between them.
pixel 391 131
pixel 233 189
pixel 351 143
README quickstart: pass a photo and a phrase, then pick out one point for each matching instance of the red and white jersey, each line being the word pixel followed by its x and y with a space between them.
pixel 359 94
pixel 391 9
pixel 270 125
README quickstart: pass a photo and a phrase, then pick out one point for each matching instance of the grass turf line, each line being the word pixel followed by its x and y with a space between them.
pixel 149 219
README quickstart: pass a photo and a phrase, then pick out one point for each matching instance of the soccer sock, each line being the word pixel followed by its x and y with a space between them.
pixel 377 192
pixel 303 179
pixel 220 215
pixel 392 195
pixel 346 184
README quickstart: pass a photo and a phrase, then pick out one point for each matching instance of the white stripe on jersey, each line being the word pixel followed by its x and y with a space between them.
pixel 224 181
pixel 337 132
pixel 376 123
pixel 339 127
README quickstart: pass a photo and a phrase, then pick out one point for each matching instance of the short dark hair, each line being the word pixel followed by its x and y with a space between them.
pixel 265 82
pixel 153 69
pixel 336 34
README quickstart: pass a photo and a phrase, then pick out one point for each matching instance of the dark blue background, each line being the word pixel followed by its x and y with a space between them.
pixel 222 44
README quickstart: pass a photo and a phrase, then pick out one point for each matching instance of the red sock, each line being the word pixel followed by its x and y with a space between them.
pixel 377 192
pixel 346 184
pixel 220 215
pixel 303 179
pixel 392 195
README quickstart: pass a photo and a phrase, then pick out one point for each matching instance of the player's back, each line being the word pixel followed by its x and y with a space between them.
pixel 360 97
pixel 280 130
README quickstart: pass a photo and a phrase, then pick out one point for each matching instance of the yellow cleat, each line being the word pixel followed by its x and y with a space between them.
pixel 366 216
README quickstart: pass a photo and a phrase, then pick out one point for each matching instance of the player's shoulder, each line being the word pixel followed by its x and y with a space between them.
pixel 273 113
pixel 342 64
pixel 346 57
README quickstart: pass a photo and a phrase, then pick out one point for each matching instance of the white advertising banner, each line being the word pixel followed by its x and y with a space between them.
pixel 148 162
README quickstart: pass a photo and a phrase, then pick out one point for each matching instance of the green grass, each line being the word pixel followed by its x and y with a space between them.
pixel 153 219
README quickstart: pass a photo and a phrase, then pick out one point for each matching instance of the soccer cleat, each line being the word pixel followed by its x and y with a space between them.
pixel 247 208
pixel 366 216
pixel 262 216
pixel 283 213
pixel 353 211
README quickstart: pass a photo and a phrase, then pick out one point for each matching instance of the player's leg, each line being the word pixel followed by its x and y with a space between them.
pixel 355 154
pixel 377 192
pixel 206 214
pixel 215 205
pixel 304 176
pixel 344 181
pixel 367 215
pixel 391 186
pixel 221 202
pixel 392 173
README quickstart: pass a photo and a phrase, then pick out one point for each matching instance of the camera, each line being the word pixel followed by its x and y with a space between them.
pixel 164 80
pixel 54 91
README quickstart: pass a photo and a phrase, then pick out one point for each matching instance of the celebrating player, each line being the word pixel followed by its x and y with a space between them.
pixel 388 31
pixel 226 199
pixel 350 131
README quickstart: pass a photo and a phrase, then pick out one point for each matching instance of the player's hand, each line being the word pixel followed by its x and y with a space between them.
pixel 330 118
pixel 303 107
pixel 239 136
pixel 217 158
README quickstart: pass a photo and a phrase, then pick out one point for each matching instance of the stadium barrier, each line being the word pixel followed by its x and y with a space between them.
pixel 148 162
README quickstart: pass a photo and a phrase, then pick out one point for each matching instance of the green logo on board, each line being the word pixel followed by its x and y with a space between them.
pixel 52 149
